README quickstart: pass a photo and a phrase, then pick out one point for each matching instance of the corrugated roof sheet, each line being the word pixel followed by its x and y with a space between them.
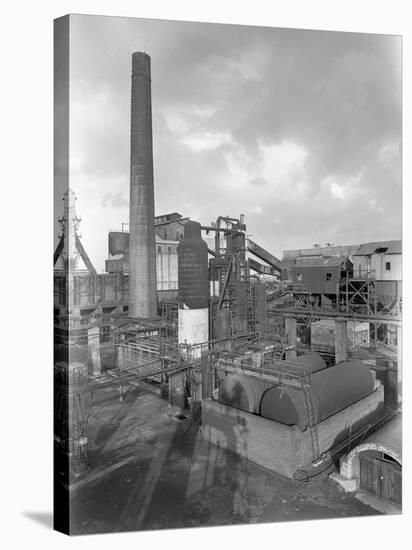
pixel 393 247
pixel 338 250
pixel 321 262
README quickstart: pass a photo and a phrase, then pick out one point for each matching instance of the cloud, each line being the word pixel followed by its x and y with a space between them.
pixel 344 188
pixel 206 141
pixel 115 200
pixel 251 64
pixel 99 131
pixel 258 181
pixel 389 152
pixel 337 190
pixel 190 124
pixel 278 169
pixel 296 122
pixel 257 210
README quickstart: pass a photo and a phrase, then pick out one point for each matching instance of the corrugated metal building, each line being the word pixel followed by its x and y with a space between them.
pixel 321 251
pixel 294 257
pixel 321 275
pixel 381 259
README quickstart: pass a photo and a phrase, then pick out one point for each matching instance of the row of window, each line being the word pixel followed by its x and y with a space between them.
pixel 169 250
pixel 329 275
pixel 167 234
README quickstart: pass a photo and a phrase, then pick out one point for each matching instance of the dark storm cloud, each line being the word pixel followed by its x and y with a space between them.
pixel 299 130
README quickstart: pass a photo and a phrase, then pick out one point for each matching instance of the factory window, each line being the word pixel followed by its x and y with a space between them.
pixel 159 249
pixel 299 277
pixel 388 266
pixel 328 276
pixel 169 249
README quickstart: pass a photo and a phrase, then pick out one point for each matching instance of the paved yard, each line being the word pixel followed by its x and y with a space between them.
pixel 171 478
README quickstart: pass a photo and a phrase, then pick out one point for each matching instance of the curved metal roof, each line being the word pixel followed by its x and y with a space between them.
pixel 388 437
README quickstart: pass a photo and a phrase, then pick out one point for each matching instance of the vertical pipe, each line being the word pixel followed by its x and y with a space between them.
pixel 93 338
pixel 142 252
pixel 399 364
pixel 290 329
pixel 341 344
pixel 70 251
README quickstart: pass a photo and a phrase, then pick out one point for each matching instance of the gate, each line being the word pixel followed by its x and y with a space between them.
pixel 381 477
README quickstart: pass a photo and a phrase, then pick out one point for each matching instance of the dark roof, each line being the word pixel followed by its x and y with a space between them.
pixel 321 262
pixel 392 247
pixel 172 216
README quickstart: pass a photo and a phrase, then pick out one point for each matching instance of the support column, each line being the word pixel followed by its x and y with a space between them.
pixel 290 328
pixel 399 364
pixel 177 394
pixel 93 340
pixel 206 378
pixel 196 388
pixel 341 344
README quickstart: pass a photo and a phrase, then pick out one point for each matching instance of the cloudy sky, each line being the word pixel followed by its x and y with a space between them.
pixel 298 130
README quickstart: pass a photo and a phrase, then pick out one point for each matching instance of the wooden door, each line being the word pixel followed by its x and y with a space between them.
pixel 381 477
pixel 391 481
pixel 369 473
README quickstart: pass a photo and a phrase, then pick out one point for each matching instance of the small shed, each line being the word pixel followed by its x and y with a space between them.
pixel 321 275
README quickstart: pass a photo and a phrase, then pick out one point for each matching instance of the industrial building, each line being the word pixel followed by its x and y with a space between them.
pixel 288 373
pixel 108 292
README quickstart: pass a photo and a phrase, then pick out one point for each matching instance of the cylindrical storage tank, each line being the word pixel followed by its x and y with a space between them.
pixel 332 390
pixel 242 392
pixel 193 273
pixel 309 362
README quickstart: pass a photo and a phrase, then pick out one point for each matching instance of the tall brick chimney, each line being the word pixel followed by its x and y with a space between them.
pixel 142 251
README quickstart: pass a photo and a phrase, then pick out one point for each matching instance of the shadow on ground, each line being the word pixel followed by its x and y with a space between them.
pixel 42 518
pixel 176 479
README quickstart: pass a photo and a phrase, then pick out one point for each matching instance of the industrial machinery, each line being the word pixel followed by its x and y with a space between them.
pixel 237 298
pixel 333 389
pixel 295 416
pixel 213 343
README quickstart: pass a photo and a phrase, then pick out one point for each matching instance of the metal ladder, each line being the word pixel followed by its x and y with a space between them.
pixel 307 392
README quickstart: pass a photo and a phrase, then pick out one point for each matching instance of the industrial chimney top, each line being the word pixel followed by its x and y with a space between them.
pixel 140 64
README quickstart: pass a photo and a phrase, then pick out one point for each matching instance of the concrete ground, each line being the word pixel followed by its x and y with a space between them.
pixel 170 478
